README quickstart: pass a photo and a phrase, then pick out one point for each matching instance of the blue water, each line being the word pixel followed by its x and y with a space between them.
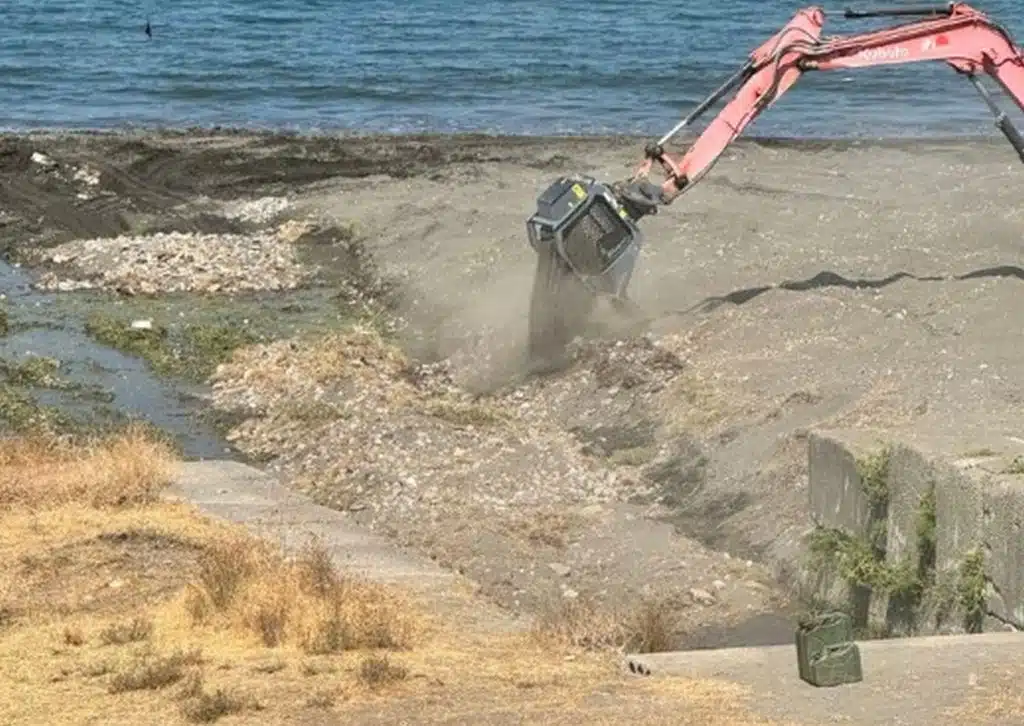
pixel 511 66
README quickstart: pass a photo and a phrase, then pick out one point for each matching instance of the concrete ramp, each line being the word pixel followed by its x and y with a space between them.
pixel 908 681
pixel 244 495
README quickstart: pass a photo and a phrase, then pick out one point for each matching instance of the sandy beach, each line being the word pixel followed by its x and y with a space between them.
pixel 850 285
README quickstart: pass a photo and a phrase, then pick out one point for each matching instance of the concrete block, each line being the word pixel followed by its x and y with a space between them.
pixel 911 476
pixel 837 496
pixel 1004 546
pixel 958 511
pixel 977 506
pixel 839 501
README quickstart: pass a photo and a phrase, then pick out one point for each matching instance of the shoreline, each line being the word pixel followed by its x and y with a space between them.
pixel 990 136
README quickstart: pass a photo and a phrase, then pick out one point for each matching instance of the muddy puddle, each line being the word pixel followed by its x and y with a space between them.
pixel 97 385
pixel 88 356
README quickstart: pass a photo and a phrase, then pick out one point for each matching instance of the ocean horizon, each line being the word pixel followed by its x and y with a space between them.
pixel 436 66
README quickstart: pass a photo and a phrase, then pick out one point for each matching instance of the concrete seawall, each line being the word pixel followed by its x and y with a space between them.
pixel 915 536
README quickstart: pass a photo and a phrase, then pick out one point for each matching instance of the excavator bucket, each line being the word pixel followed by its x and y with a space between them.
pixel 587 246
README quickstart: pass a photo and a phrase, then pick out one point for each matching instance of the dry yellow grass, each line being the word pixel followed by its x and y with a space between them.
pixel 646 627
pixel 119 607
pixel 251 587
pixel 46 471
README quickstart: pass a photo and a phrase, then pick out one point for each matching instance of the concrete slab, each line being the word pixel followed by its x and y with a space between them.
pixel 839 500
pixel 958 514
pixel 1004 548
pixel 837 497
pixel 244 495
pixel 911 478
pixel 909 681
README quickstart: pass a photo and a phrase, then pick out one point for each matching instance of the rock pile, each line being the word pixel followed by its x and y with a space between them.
pixel 354 422
pixel 176 262
pixel 256 211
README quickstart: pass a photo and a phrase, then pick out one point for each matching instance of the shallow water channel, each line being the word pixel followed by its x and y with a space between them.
pixel 107 384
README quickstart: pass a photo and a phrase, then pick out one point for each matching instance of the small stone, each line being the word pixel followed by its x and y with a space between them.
pixel 142 325
pixel 559 569
pixel 116 584
pixel 87 176
pixel 702 596
pixel 293 230
pixel 570 594
pixel 718 585
pixel 42 159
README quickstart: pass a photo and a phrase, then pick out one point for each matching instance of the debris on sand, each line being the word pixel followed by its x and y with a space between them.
pixel 350 417
pixel 176 262
pixel 519 489
pixel 42 159
pixel 293 230
pixel 256 211
pixel 85 175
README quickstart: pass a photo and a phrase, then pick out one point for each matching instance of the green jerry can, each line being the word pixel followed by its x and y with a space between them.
pixel 825 651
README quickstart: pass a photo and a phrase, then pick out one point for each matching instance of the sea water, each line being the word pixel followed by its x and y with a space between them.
pixel 497 66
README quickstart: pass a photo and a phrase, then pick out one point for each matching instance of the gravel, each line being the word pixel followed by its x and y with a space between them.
pixel 176 262
pixel 257 211
pixel 401 441
pixel 517 489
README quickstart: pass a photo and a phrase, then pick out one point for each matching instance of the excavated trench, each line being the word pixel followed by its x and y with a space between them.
pixel 102 384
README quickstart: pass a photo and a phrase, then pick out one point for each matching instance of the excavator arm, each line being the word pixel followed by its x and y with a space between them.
pixel 586 233
pixel 963 37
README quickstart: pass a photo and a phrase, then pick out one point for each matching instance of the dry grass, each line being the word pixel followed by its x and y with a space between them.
pixel 45 472
pixel 133 631
pixel 150 671
pixel 378 670
pixel 254 589
pixel 200 705
pixel 119 607
pixel 465 413
pixel 647 627
pixel 551 528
